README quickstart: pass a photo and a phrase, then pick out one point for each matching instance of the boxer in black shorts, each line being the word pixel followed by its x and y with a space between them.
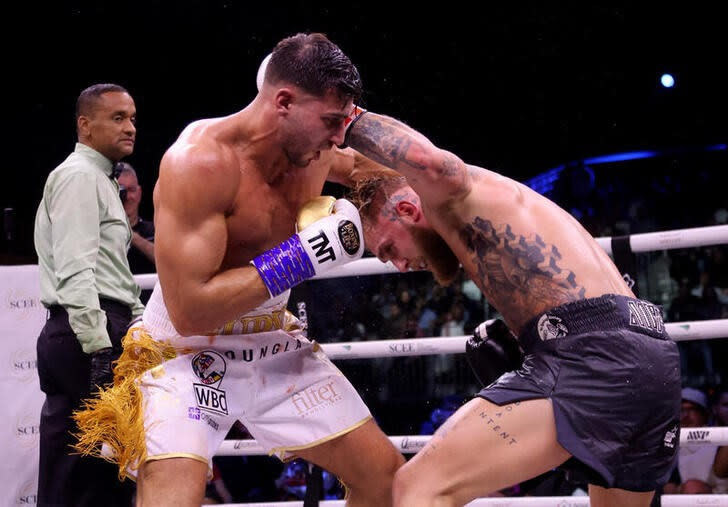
pixel 602 362
pixel 600 383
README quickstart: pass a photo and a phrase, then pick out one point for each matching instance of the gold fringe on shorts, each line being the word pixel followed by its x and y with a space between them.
pixel 115 416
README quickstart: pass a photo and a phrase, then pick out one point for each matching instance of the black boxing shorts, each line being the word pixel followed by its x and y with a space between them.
pixel 613 376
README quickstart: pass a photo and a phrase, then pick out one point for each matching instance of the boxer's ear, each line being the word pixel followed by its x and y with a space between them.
pixel 284 98
pixel 408 211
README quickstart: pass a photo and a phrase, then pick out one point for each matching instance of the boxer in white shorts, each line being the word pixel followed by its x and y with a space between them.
pixel 259 369
pixel 229 236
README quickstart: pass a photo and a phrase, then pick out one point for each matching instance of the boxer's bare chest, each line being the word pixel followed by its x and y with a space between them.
pixel 264 214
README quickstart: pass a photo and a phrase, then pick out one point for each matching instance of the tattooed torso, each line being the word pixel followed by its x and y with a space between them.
pixel 526 254
pixel 516 271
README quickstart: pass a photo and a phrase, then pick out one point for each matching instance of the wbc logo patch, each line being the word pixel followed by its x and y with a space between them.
pixel 209 367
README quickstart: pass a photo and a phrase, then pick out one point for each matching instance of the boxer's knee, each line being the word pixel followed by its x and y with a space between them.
pixel 174 482
pixel 375 486
pixel 409 489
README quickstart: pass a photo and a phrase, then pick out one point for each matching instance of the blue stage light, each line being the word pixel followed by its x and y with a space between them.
pixel 667 80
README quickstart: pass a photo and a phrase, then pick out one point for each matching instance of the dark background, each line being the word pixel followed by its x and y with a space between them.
pixel 516 89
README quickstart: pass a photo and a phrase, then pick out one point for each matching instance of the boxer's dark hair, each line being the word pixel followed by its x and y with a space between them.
pixel 315 64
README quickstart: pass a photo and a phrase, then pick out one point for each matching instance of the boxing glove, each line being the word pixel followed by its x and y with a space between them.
pixel 329 235
pixel 492 351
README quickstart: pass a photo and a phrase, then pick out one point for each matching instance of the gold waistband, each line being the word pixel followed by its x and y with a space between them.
pixel 249 324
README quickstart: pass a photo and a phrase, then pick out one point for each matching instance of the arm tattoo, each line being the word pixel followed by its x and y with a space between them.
pixel 389 210
pixel 516 271
pixel 451 166
pixel 381 140
pixel 397 146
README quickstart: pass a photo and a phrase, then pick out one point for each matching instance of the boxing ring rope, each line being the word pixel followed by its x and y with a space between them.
pixel 428 346
pixel 410 444
pixel 647 242
pixel 534 501
pixel 670 240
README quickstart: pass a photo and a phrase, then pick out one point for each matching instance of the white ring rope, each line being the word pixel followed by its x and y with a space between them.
pixel 411 444
pixel 665 240
pixel 693 500
pixel 669 240
pixel 428 346
pixel 534 501
pixel 697 330
pixel 395 348
pixel 679 331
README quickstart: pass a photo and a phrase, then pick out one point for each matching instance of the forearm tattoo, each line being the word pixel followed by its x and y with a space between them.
pixel 451 166
pixel 383 140
pixel 516 271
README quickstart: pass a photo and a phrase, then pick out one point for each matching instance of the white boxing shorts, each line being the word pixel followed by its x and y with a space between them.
pixel 259 369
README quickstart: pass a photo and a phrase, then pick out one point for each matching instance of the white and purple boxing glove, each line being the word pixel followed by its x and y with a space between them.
pixel 329 235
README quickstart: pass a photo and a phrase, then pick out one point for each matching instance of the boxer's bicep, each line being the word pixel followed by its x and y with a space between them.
pixel 189 253
pixel 191 231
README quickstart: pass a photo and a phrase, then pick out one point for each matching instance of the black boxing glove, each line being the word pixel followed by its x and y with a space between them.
pixel 492 351
pixel 102 373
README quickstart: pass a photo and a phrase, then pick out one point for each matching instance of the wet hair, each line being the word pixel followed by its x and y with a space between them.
pixel 316 65
pixel 89 97
pixel 370 195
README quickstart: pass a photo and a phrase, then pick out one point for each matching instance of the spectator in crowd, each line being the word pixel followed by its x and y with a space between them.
pixel 141 251
pixel 439 414
pixel 454 321
pixel 292 482
pixel 216 491
pixel 720 414
pixel 695 463
pixel 427 320
pixel 696 359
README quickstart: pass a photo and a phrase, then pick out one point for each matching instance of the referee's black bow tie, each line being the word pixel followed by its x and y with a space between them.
pixel 116 171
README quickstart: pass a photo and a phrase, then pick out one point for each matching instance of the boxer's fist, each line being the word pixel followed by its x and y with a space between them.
pixel 329 235
pixel 492 351
pixel 334 239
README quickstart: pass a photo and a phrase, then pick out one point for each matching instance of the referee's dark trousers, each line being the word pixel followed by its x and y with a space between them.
pixel 66 478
